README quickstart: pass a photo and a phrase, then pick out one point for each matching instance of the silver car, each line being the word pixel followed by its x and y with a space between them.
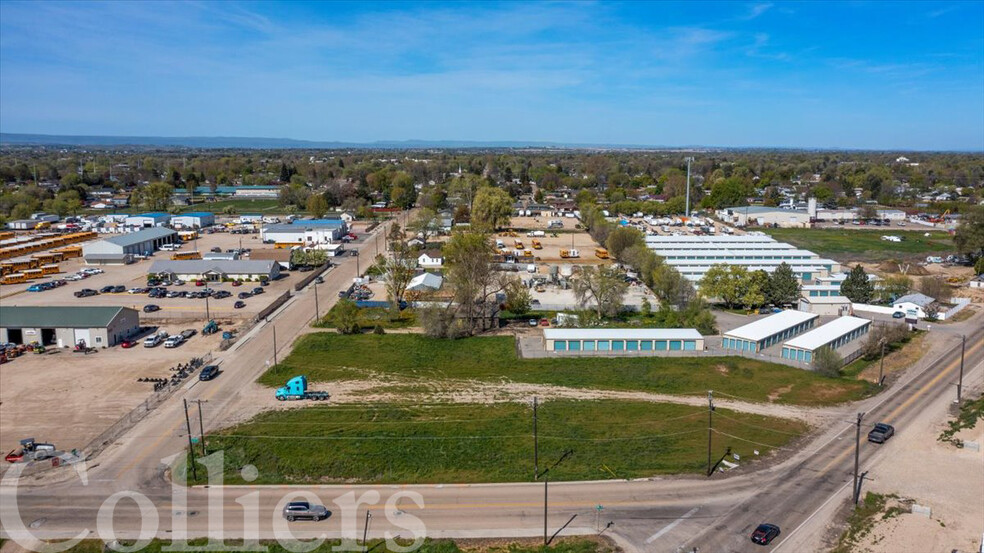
pixel 302 509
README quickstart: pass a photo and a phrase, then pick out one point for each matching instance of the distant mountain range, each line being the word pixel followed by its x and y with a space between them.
pixel 286 143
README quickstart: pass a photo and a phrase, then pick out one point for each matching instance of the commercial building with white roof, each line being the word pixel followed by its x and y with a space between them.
pixel 622 340
pixel 693 256
pixel 773 329
pixel 834 334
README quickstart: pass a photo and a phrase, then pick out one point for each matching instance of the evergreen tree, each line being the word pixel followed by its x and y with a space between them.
pixel 284 173
pixel 857 287
pixel 783 286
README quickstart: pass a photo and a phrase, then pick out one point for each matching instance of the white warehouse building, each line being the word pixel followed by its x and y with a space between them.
pixel 693 256
pixel 216 269
pixel 763 333
pixel 834 334
pixel 300 234
pixel 615 341
pixel 121 248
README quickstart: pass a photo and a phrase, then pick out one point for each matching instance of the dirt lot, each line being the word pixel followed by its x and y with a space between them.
pixel 555 240
pixel 69 398
pixel 917 473
pixel 134 275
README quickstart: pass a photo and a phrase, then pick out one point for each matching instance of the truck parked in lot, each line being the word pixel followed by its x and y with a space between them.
pixel 297 388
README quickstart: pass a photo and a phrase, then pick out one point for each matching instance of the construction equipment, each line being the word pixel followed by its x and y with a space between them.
pixel 211 327
pixel 81 347
pixel 31 450
pixel 297 388
pixel 519 245
pixel 568 254
pixel 537 245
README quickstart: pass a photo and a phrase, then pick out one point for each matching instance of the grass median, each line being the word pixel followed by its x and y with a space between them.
pixel 490 442
pixel 848 243
pixel 413 358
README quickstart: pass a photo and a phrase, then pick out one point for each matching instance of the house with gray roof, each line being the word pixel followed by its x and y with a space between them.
pixel 216 269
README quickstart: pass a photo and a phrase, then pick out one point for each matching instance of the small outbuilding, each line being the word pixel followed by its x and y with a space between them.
pixel 66 326
pixel 914 305
pixel 834 306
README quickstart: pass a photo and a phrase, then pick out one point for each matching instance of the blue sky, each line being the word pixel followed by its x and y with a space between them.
pixel 884 75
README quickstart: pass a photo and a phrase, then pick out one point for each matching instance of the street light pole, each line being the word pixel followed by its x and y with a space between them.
pixel 317 312
pixel 710 423
pixel 689 159
pixel 365 529
pixel 963 347
pixel 191 447
pixel 274 345
pixel 208 315
pixel 881 369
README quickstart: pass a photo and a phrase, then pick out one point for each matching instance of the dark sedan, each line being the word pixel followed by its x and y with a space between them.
pixel 239 304
pixel 881 433
pixel 765 533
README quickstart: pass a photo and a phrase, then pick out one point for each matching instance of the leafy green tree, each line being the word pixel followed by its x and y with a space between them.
pixel 518 298
pixel 491 209
pixel 398 271
pixel 969 234
pixel 856 287
pixel 895 286
pixel 979 266
pixel 936 288
pixel 156 196
pixel 345 316
pixel 603 286
pixel 725 282
pixel 317 206
pixel 827 362
pixel 471 276
pixel 621 239
pixel 783 287
pixel 426 222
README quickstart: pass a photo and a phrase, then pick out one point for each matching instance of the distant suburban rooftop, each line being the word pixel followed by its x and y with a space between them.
pixel 922 300
pixel 763 328
pixel 132 238
pixel 73 316
pixel 823 335
pixel 621 334
pixel 196 214
pixel 763 209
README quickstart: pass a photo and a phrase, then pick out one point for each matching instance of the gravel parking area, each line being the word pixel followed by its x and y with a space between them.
pixel 135 275
pixel 69 398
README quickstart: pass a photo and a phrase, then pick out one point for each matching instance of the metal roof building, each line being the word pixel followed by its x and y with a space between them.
pixel 193 220
pixel 65 326
pixel 694 255
pixel 622 340
pixel 834 334
pixel 216 269
pixel 773 329
pixel 116 248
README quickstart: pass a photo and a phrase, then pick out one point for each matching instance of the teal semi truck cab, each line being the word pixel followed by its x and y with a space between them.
pixel 297 388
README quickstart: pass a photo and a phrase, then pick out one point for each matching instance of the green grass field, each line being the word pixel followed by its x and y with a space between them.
pixel 561 545
pixel 330 356
pixel 372 443
pixel 264 206
pixel 849 243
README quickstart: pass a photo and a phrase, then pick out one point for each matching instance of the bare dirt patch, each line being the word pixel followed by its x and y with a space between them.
pixel 774 395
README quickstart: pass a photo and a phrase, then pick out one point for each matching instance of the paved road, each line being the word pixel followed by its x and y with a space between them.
pixel 671 514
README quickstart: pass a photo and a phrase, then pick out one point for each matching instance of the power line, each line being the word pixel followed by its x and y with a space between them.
pixel 752 441
pixel 759 427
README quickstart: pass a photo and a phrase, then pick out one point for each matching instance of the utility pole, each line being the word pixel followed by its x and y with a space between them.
pixel 201 427
pixel 689 159
pixel 881 369
pixel 546 536
pixel 857 453
pixel 357 271
pixel 365 529
pixel 536 443
pixel 274 345
pixel 963 347
pixel 710 421
pixel 317 311
pixel 208 315
pixel 191 447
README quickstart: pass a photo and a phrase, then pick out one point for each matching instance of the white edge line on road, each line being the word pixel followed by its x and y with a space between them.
pixel 672 525
pixel 832 497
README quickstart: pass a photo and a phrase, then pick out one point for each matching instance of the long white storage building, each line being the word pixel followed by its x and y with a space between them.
pixel 835 334
pixel 622 340
pixel 693 256
pixel 771 330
